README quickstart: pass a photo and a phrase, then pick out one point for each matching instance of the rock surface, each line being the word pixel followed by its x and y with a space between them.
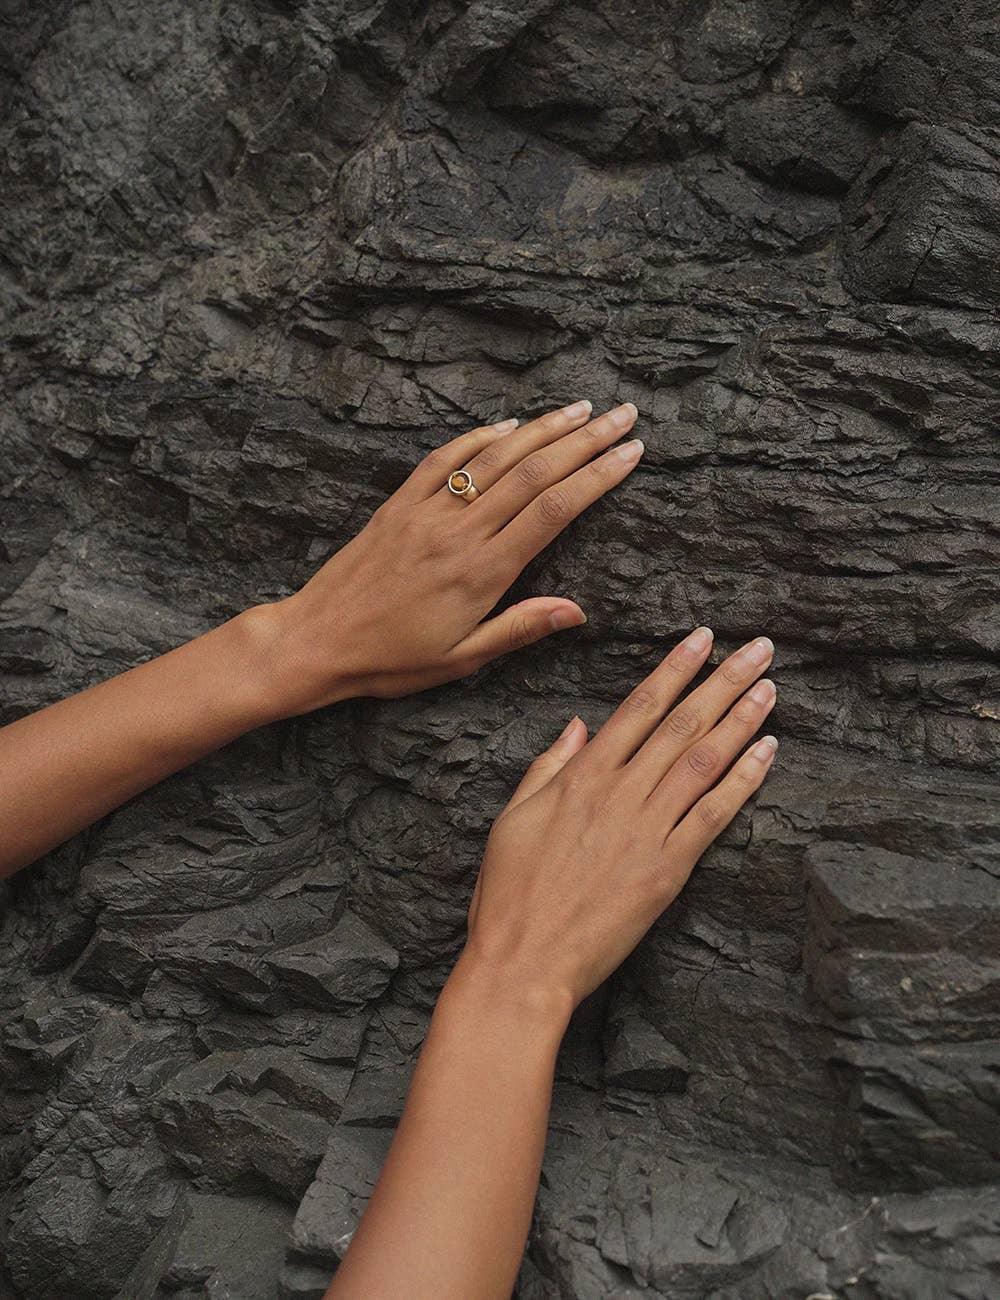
pixel 257 258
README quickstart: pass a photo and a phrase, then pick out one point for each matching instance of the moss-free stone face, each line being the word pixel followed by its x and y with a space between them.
pixel 258 259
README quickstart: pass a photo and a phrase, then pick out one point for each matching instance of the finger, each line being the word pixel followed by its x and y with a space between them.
pixel 695 716
pixel 715 810
pixel 550 761
pixel 516 627
pixel 641 710
pixel 703 763
pixel 490 464
pixel 538 523
pixel 432 472
pixel 551 464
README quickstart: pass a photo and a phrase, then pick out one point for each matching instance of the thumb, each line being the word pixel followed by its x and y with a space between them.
pixel 542 770
pixel 518 626
pixel 550 761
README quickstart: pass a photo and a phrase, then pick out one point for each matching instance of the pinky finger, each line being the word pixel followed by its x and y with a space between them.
pixel 713 812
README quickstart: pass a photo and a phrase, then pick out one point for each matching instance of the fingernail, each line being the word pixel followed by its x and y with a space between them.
pixel 564 617
pixel 569 726
pixel 759 651
pixel 630 452
pixel 505 426
pixel 699 640
pixel 766 749
pixel 578 408
pixel 624 415
pixel 763 691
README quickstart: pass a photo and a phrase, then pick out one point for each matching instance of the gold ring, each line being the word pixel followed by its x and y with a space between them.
pixel 462 485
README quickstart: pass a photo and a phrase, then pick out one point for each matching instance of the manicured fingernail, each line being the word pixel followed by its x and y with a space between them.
pixel 766 749
pixel 630 452
pixel 505 426
pixel 564 617
pixel 699 640
pixel 578 408
pixel 569 726
pixel 759 651
pixel 624 415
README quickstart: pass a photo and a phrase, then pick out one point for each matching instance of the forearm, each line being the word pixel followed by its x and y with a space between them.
pixel 450 1214
pixel 70 763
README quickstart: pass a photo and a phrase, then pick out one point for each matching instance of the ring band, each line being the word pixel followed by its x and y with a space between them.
pixel 461 484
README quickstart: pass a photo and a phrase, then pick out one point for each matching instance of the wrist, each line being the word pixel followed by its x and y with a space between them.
pixel 284 676
pixel 489 988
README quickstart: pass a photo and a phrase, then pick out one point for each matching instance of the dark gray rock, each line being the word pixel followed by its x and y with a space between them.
pixel 638 1056
pixel 252 1121
pixel 229 1246
pixel 920 222
pixel 256 260
pixel 347 967
pixel 329 1212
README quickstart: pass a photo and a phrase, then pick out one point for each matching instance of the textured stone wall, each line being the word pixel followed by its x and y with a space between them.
pixel 258 256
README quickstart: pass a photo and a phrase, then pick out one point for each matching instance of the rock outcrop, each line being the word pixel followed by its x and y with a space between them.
pixel 257 258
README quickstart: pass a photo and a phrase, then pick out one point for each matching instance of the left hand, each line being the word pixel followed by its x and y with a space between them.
pixel 400 607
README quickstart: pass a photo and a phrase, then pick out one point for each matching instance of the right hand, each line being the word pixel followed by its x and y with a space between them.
pixel 600 837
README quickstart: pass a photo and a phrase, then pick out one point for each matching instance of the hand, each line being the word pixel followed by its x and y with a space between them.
pixel 600 837
pixel 400 607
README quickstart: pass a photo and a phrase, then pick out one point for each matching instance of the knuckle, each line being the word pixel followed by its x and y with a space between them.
pixel 388 514
pixel 532 471
pixel 437 459
pixel 710 814
pixel 730 673
pixel 684 723
pixel 642 703
pixel 521 633
pixel 745 778
pixel 554 506
pixel 701 760
pixel 591 444
pixel 490 458
pixel 675 664
pixel 745 712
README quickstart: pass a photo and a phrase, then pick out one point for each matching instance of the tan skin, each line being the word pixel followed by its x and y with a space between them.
pixel 596 841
